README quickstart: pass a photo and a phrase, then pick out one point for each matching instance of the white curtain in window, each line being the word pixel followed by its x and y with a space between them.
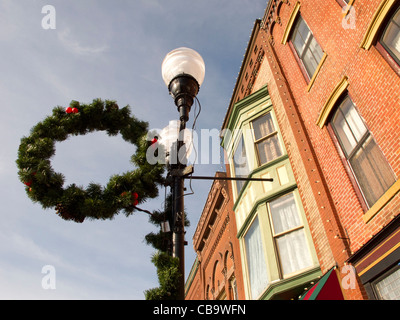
pixel 292 246
pixel 293 252
pixel 256 264
pixel 284 214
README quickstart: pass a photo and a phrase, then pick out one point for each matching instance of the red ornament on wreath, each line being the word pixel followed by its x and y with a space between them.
pixel 68 110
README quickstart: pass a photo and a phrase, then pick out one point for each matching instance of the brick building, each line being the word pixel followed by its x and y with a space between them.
pixel 333 72
pixel 328 73
pixel 216 273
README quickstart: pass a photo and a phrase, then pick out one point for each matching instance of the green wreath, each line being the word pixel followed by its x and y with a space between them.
pixel 122 192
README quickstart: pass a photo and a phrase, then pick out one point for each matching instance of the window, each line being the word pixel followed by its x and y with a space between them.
pixel 240 164
pixel 289 235
pixel 388 286
pixel 369 166
pixel 390 39
pixel 266 139
pixel 234 289
pixel 256 264
pixel 307 48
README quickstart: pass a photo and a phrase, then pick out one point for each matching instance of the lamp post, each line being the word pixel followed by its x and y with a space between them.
pixel 183 72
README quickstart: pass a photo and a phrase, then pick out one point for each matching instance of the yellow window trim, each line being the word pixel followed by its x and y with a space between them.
pixel 290 23
pixel 376 23
pixel 330 103
pixel 393 190
pixel 316 72
pixel 348 7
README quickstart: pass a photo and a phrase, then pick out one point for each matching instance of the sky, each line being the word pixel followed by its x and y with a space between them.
pixel 109 50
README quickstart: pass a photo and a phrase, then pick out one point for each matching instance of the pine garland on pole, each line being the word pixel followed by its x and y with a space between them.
pixel 167 266
pixel 122 192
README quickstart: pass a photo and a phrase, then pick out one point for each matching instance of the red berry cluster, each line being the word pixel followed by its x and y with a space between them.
pixel 71 110
pixel 135 197
pixel 29 183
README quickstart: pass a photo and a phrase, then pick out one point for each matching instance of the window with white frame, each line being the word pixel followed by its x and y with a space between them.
pixel 256 263
pixel 266 139
pixel 240 164
pixel 289 235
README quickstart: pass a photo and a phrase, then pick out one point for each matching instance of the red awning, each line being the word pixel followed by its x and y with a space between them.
pixel 327 288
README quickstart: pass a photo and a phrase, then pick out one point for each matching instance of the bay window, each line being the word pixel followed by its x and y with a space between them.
pixel 256 263
pixel 289 235
pixel 240 164
pixel 266 139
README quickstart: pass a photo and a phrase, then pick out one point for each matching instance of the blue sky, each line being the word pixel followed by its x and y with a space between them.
pixel 109 50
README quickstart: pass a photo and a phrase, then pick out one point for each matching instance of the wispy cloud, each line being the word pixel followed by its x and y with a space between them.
pixel 68 40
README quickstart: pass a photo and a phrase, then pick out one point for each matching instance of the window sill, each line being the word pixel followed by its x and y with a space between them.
pixel 393 190
pixel 311 83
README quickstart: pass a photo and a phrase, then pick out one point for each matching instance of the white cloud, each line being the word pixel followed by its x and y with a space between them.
pixel 69 41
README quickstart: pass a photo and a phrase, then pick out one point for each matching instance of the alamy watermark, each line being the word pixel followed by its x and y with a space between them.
pixel 203 147
pixel 49 20
pixel 349 19
pixel 49 280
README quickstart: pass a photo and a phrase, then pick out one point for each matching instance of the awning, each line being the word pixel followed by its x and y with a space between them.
pixel 327 288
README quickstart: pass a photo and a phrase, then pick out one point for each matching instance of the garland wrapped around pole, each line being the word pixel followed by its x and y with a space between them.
pixel 122 192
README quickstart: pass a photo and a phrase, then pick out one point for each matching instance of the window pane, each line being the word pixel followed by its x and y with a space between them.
pixel 391 37
pixel 269 149
pixel 310 63
pixel 257 267
pixel 372 171
pixel 353 119
pixel 316 50
pixel 389 287
pixel 240 163
pixel 303 29
pixel 300 36
pixel 263 126
pixel 284 213
pixel 343 131
pixel 293 252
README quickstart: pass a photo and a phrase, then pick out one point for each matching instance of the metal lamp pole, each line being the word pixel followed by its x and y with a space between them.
pixel 183 72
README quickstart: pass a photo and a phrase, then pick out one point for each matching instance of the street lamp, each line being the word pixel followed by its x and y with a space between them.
pixel 183 72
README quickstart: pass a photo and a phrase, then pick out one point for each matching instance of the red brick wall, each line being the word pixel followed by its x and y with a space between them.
pixel 219 257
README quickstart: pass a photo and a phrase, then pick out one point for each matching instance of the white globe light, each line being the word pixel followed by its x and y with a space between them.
pixel 183 61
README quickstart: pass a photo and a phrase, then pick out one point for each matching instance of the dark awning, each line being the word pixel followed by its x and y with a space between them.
pixel 327 288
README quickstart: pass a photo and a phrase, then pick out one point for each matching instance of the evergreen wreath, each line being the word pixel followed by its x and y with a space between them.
pixel 122 192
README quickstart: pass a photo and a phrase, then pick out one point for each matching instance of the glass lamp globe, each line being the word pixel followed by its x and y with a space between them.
pixel 183 61
pixel 183 72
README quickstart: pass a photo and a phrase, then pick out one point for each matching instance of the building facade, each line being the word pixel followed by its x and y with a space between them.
pixel 216 273
pixel 332 67
pixel 316 108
